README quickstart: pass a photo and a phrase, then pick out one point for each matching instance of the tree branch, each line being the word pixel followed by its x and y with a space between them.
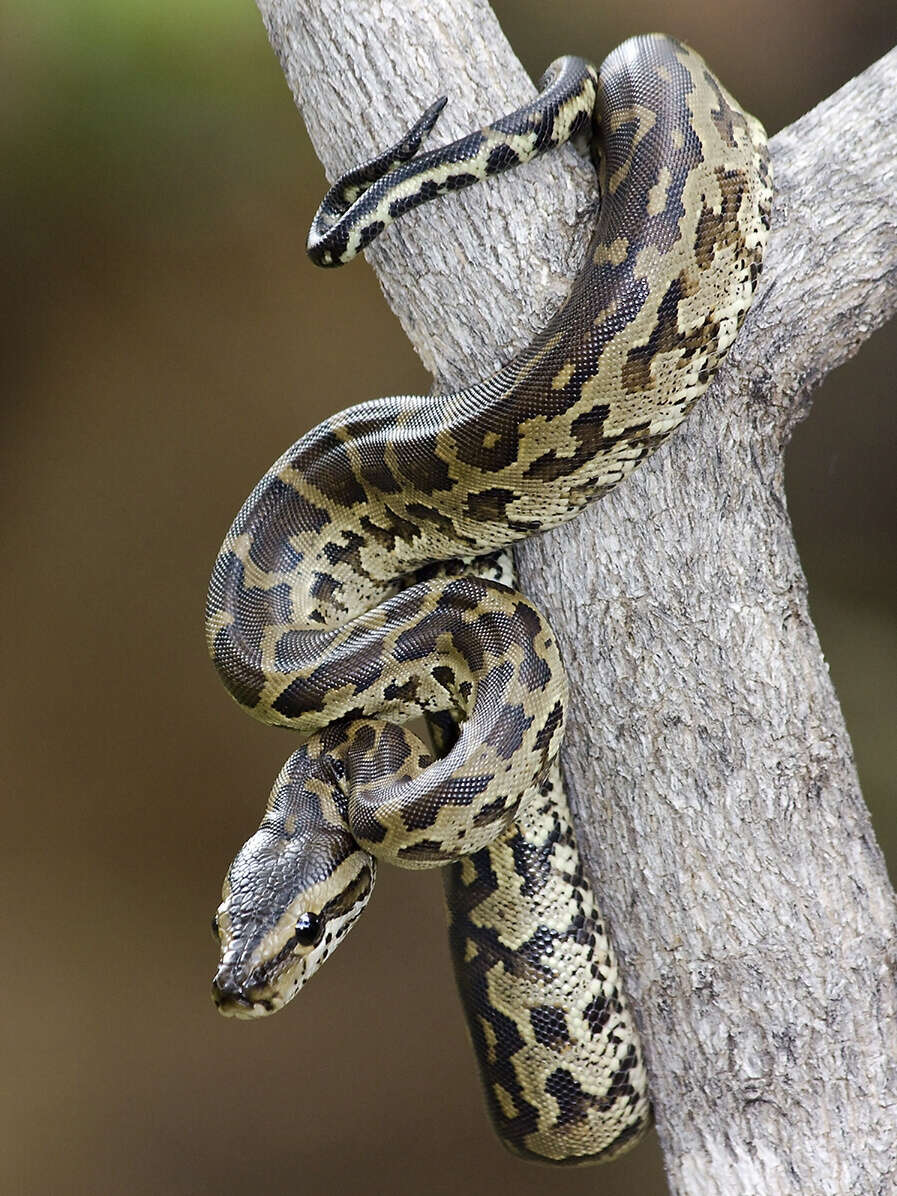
pixel 718 805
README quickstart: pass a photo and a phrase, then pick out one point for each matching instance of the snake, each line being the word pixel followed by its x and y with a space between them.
pixel 366 582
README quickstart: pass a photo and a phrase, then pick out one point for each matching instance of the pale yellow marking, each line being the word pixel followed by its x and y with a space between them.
pixel 562 377
pixel 505 1099
pixel 615 253
pixel 490 439
pixel 468 871
pixel 491 1040
pixel 217 622
pixel 646 119
pixel 657 196
pixel 606 313
pixel 678 139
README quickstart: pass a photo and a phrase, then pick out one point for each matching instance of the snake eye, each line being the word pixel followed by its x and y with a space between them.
pixel 309 929
pixel 215 934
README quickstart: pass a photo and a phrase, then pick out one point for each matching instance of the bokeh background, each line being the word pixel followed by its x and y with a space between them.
pixel 165 339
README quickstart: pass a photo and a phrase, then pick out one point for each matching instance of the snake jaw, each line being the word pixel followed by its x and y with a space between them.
pixel 232 998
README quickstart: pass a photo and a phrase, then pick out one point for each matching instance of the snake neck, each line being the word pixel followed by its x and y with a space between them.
pixel 406 808
pixel 363 790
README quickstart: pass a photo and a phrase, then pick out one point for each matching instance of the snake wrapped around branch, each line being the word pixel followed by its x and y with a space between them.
pixel 364 583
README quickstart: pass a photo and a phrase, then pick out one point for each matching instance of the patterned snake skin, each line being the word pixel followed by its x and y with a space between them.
pixel 360 586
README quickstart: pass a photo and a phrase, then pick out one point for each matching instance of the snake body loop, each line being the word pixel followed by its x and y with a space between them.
pixel 356 590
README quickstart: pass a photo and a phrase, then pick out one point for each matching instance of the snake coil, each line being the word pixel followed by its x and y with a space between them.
pixel 363 584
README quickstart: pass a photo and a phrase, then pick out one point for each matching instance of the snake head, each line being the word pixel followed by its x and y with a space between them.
pixel 291 894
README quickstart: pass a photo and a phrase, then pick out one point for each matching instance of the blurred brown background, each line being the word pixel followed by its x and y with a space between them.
pixel 165 340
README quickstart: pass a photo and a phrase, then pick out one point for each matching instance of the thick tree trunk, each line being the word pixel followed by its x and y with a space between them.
pixel 717 800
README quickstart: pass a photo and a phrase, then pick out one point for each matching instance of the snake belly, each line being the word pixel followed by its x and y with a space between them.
pixel 350 594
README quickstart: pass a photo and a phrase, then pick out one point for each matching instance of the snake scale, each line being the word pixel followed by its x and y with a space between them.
pixel 362 584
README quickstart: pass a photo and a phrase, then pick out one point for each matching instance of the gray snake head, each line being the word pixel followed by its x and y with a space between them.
pixel 292 892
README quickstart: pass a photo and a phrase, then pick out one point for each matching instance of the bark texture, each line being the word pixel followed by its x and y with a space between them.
pixel 717 800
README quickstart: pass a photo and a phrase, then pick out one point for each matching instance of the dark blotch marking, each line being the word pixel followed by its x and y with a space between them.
pixel 724 116
pixel 598 1013
pixel 322 459
pixel 548 732
pixel 445 676
pixel 347 552
pixel 501 810
pixel 374 469
pixel 506 736
pixel 278 512
pixel 665 335
pixel 549 1025
pixel 372 230
pixel 455 182
pixel 432 517
pixel 488 506
pixel 572 1101
pixel 502 157
pixel 244 680
pixel 406 692
pixel 532 864
pixel 422 467
pixel 717 229
pixel 454 791
pixel 324 586
pixel 404 203
pixel 426 849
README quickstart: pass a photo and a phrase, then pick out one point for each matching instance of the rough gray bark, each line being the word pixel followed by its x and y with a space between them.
pixel 717 800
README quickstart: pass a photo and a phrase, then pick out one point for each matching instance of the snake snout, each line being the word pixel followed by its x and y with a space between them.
pixel 230 995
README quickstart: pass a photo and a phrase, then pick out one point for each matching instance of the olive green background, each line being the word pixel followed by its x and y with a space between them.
pixel 165 339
